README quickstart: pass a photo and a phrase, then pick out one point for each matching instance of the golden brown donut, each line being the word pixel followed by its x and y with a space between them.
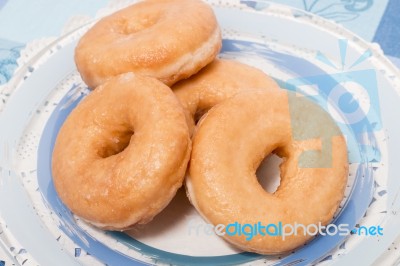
pixel 231 141
pixel 166 39
pixel 122 153
pixel 217 82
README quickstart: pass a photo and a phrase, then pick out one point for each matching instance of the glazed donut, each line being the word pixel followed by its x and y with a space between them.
pixel 166 39
pixel 122 153
pixel 230 143
pixel 215 83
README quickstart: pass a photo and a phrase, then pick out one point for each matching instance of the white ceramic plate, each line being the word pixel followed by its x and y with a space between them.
pixel 345 75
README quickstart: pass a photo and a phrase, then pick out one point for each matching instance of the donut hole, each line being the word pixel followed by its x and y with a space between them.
pixel 127 26
pixel 268 173
pixel 115 144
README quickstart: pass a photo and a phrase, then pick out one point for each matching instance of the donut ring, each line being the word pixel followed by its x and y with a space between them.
pixel 122 153
pixel 215 83
pixel 232 140
pixel 169 40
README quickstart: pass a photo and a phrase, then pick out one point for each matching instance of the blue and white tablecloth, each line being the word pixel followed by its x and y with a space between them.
pixel 27 26
pixel 23 22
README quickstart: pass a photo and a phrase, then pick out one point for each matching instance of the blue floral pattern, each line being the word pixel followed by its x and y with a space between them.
pixel 8 62
pixel 338 10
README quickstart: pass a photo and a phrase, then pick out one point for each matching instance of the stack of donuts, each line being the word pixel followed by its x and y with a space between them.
pixel 164 111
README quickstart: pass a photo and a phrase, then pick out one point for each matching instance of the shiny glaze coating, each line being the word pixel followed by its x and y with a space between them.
pixel 217 82
pixel 166 39
pixel 122 153
pixel 234 137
